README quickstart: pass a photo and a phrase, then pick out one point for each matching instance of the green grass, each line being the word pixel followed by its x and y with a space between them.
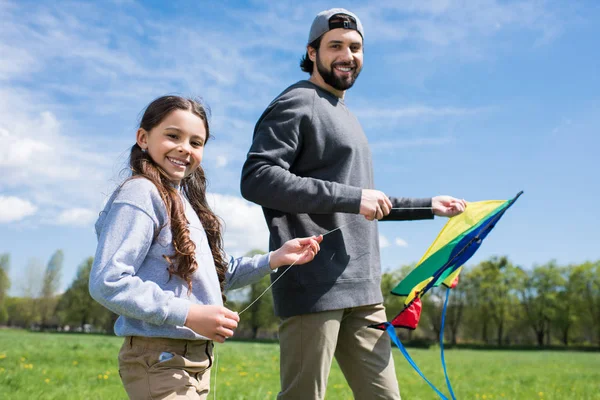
pixel 61 366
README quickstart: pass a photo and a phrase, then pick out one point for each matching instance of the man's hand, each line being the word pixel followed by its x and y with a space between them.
pixel 214 322
pixel 447 206
pixel 374 204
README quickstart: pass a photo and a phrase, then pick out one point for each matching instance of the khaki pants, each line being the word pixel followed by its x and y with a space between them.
pixel 309 342
pixel 159 368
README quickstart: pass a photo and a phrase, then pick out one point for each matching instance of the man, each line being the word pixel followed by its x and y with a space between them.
pixel 310 169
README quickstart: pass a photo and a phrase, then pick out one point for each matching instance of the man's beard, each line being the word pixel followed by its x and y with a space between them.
pixel 334 81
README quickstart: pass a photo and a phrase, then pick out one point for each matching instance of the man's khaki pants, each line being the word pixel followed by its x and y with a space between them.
pixel 158 368
pixel 310 341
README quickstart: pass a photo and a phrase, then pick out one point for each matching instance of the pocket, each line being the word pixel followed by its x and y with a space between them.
pixel 133 372
pixel 166 359
pixel 168 376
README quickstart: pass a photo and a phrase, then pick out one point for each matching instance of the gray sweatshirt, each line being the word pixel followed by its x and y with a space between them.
pixel 130 277
pixel 307 166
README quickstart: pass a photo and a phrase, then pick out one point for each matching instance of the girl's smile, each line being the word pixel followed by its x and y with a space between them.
pixel 180 163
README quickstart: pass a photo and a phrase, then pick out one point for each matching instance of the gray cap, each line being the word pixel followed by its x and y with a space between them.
pixel 321 24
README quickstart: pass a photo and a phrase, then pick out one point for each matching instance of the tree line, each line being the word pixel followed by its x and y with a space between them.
pixel 495 303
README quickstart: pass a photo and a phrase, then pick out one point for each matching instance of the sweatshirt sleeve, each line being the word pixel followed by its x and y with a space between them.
pixel 244 271
pixel 412 209
pixel 266 176
pixel 124 241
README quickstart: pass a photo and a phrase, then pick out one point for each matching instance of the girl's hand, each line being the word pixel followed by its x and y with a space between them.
pixel 296 251
pixel 447 206
pixel 214 322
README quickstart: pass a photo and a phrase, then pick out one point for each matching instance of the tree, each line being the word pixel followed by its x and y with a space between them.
pixel 540 296
pixel 50 287
pixel 77 307
pixel 588 287
pixel 568 303
pixel 432 303
pixel 22 311
pixel 261 312
pixel 501 292
pixel 51 283
pixel 32 283
pixel 456 307
pixel 433 307
pixel 493 284
pixel 478 314
pixel 4 286
pixel 4 277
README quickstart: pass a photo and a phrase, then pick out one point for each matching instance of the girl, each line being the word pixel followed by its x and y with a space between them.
pixel 160 263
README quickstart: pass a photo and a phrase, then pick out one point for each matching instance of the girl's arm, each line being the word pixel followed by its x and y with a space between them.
pixel 123 244
pixel 243 271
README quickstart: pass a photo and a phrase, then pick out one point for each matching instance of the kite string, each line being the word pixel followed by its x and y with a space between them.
pixel 325 234
pixel 216 370
pixel 287 269
pixel 265 291
pixel 411 208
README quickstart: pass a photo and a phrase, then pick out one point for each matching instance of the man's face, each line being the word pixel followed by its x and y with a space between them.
pixel 339 58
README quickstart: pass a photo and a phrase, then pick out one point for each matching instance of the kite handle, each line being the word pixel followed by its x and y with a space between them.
pixel 392 333
pixel 442 345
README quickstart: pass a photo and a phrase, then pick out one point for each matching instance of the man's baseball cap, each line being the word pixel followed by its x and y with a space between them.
pixel 322 23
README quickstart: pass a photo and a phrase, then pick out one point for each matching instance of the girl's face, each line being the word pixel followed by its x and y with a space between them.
pixel 176 144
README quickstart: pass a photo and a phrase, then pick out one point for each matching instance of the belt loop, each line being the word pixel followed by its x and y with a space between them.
pixel 130 341
pixel 185 351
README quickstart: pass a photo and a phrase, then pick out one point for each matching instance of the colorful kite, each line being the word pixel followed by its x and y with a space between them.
pixel 440 265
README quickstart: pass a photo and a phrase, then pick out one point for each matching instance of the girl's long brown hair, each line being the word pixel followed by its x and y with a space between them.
pixel 183 263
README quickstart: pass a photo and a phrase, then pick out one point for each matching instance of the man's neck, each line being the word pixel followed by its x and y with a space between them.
pixel 318 80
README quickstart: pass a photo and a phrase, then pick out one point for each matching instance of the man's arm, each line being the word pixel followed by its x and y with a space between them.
pixel 413 209
pixel 266 177
pixel 408 208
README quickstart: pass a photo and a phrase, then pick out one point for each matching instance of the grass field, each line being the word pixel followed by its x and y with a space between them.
pixel 61 366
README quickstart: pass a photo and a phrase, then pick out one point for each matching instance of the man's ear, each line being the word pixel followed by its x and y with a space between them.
pixel 141 138
pixel 312 53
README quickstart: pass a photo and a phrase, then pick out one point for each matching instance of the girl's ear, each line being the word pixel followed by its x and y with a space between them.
pixel 141 137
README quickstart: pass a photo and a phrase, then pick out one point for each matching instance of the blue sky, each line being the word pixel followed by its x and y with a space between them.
pixel 476 99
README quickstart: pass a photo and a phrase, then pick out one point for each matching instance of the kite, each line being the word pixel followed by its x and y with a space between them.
pixel 441 264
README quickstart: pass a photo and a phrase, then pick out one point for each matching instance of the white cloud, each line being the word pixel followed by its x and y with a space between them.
pixel 244 225
pixel 43 158
pixel 221 161
pixel 36 146
pixel 14 209
pixel 400 242
pixel 383 242
pixel 445 23
pixel 417 111
pixel 438 35
pixel 14 61
pixel 19 153
pixel 388 145
pixel 414 117
pixel 77 217
pixel 62 60
pixel 32 149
